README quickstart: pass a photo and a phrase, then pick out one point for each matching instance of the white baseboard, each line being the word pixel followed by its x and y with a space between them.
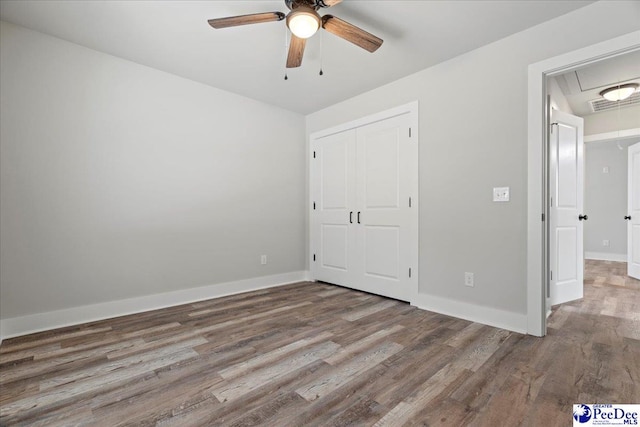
pixel 516 322
pixel 29 324
pixel 604 256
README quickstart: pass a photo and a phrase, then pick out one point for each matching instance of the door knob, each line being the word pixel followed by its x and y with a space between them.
pixel 627 217
pixel 583 217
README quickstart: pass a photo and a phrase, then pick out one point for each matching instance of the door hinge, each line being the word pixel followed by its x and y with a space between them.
pixel 409 273
pixel 409 132
pixel 409 201
pixel 314 206
pixel 314 154
pixel 551 274
pixel 314 257
pixel 542 217
pixel 551 198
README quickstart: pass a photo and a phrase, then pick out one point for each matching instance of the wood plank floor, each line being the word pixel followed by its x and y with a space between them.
pixel 315 354
pixel 610 273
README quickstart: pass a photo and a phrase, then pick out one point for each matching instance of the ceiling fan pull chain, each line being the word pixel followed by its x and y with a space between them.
pixel 286 49
pixel 321 52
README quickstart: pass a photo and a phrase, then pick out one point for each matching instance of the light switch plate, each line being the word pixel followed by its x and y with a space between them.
pixel 500 194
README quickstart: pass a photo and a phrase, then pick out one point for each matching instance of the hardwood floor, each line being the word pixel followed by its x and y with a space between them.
pixel 315 354
pixel 610 273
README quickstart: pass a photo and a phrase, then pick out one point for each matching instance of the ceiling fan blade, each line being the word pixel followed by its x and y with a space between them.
pixel 296 51
pixel 254 18
pixel 328 3
pixel 351 33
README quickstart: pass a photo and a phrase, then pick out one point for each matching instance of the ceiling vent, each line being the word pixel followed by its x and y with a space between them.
pixel 602 104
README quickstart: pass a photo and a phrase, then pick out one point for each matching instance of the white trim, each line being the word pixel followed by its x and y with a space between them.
pixel 604 256
pixel 411 108
pixel 536 323
pixel 609 136
pixel 509 320
pixel 24 325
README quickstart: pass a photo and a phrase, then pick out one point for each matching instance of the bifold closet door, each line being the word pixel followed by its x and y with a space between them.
pixel 364 232
pixel 384 190
pixel 333 184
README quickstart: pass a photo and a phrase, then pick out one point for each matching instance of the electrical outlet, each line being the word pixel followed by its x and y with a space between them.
pixel 501 194
pixel 263 259
pixel 605 243
pixel 468 279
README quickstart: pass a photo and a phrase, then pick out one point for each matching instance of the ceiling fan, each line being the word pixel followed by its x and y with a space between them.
pixel 303 20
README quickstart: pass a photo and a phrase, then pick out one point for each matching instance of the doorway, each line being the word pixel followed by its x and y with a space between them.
pixel 588 181
pixel 538 271
pixel 606 199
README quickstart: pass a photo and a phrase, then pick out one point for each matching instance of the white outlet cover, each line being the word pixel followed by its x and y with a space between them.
pixel 469 279
pixel 500 194
pixel 605 169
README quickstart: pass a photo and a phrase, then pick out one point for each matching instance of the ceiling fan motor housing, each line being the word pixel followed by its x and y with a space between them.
pixel 314 4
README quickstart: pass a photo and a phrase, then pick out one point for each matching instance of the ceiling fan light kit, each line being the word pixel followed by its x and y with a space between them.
pixel 304 21
pixel 620 92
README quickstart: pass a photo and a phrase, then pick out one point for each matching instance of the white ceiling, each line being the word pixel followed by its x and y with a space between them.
pixel 174 36
pixel 585 84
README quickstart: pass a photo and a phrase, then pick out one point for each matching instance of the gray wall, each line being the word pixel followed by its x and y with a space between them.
pixel 606 199
pixel 473 136
pixel 613 120
pixel 118 180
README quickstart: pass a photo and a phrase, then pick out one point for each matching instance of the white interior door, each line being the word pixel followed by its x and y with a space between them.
pixel 386 190
pixel 566 180
pixel 633 209
pixel 333 185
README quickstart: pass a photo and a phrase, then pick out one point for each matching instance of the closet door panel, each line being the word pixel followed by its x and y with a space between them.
pixel 333 181
pixel 335 245
pixel 382 248
pixel 383 206
pixel 335 164
pixel 381 169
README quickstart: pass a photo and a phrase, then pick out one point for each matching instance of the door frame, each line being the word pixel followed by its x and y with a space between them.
pixel 412 110
pixel 538 165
